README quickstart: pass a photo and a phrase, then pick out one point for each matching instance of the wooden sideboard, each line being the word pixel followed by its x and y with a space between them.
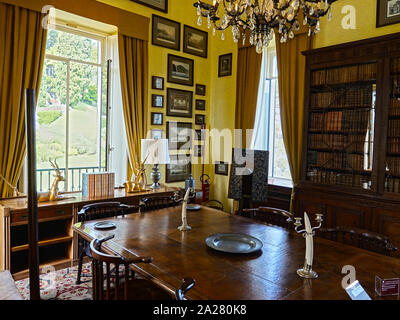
pixel 57 243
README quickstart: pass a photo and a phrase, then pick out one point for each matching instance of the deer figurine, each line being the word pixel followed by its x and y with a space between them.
pixel 53 195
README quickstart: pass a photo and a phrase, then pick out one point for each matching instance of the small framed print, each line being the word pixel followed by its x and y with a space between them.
pixel 200 134
pixel 195 41
pixel 179 168
pixel 157 101
pixel 157 83
pixel 157 119
pixel 166 33
pixel 221 168
pixel 201 105
pixel 198 150
pixel 179 135
pixel 180 70
pixel 156 134
pixel 200 119
pixel 225 65
pixel 388 12
pixel 160 5
pixel 200 90
pixel 179 103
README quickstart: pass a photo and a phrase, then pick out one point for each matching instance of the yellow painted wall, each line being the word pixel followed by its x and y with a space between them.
pixel 332 32
pixel 220 92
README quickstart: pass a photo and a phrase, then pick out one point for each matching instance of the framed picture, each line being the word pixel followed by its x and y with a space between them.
pixel 156 134
pixel 198 150
pixel 200 104
pixel 200 90
pixel 221 168
pixel 179 103
pixel 179 168
pixel 157 83
pixel 157 101
pixel 200 135
pixel 166 33
pixel 179 135
pixel 157 119
pixel 180 70
pixel 200 119
pixel 388 12
pixel 225 65
pixel 195 41
pixel 160 5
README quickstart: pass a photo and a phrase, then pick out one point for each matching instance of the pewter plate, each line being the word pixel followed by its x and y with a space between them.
pixel 104 225
pixel 234 243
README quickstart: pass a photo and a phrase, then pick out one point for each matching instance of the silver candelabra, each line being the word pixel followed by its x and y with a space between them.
pixel 308 233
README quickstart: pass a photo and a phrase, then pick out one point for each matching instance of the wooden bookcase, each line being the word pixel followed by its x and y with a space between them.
pixel 351 149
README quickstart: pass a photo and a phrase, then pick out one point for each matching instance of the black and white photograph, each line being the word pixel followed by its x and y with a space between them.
pixel 180 70
pixel 200 135
pixel 157 119
pixel 157 101
pixel 179 103
pixel 156 134
pixel 200 104
pixel 195 41
pixel 166 33
pixel 160 5
pixel 200 90
pixel 198 150
pixel 157 83
pixel 225 65
pixel 221 168
pixel 200 119
pixel 179 168
pixel 388 12
pixel 179 135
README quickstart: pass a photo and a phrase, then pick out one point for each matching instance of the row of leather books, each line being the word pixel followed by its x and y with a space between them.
pixel 394 109
pixel 393 166
pixel 349 143
pixel 394 128
pixel 361 97
pixel 98 184
pixel 348 120
pixel 332 177
pixel 393 145
pixel 393 185
pixel 344 74
pixel 341 161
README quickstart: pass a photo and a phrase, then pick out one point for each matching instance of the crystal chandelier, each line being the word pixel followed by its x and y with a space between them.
pixel 262 17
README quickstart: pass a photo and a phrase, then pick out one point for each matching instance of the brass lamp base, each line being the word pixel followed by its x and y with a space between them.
pixel 307 273
pixel 184 228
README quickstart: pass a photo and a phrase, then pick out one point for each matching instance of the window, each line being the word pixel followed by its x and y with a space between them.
pixel 267 127
pixel 71 116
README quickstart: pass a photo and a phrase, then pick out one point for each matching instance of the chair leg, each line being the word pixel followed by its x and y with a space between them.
pixel 78 278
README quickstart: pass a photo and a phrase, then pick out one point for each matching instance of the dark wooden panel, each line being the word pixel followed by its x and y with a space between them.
pixel 388 223
pixel 357 217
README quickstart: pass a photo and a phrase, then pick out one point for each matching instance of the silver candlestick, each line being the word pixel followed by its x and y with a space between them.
pixel 308 233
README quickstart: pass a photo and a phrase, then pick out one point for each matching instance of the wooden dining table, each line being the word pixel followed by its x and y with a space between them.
pixel 269 274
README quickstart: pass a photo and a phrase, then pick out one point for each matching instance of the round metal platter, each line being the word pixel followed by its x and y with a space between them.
pixel 104 225
pixel 234 243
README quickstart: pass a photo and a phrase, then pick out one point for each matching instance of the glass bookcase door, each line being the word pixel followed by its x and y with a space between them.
pixel 392 182
pixel 341 126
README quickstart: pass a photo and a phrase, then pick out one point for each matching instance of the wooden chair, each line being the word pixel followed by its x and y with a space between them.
pixel 360 238
pixel 94 212
pixel 157 203
pixel 125 286
pixel 274 216
pixel 215 204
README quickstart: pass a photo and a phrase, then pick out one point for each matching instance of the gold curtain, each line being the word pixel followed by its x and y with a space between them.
pixel 291 71
pixel 133 61
pixel 248 78
pixel 22 49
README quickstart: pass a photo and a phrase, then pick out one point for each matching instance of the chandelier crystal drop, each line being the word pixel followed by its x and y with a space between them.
pixel 262 17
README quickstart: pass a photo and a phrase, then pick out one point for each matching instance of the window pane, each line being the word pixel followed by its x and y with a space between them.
pixel 51 121
pixel 72 46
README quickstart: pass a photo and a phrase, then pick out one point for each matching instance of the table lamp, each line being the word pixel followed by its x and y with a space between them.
pixel 155 152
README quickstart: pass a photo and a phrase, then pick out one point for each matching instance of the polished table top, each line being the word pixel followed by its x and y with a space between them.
pixel 265 275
